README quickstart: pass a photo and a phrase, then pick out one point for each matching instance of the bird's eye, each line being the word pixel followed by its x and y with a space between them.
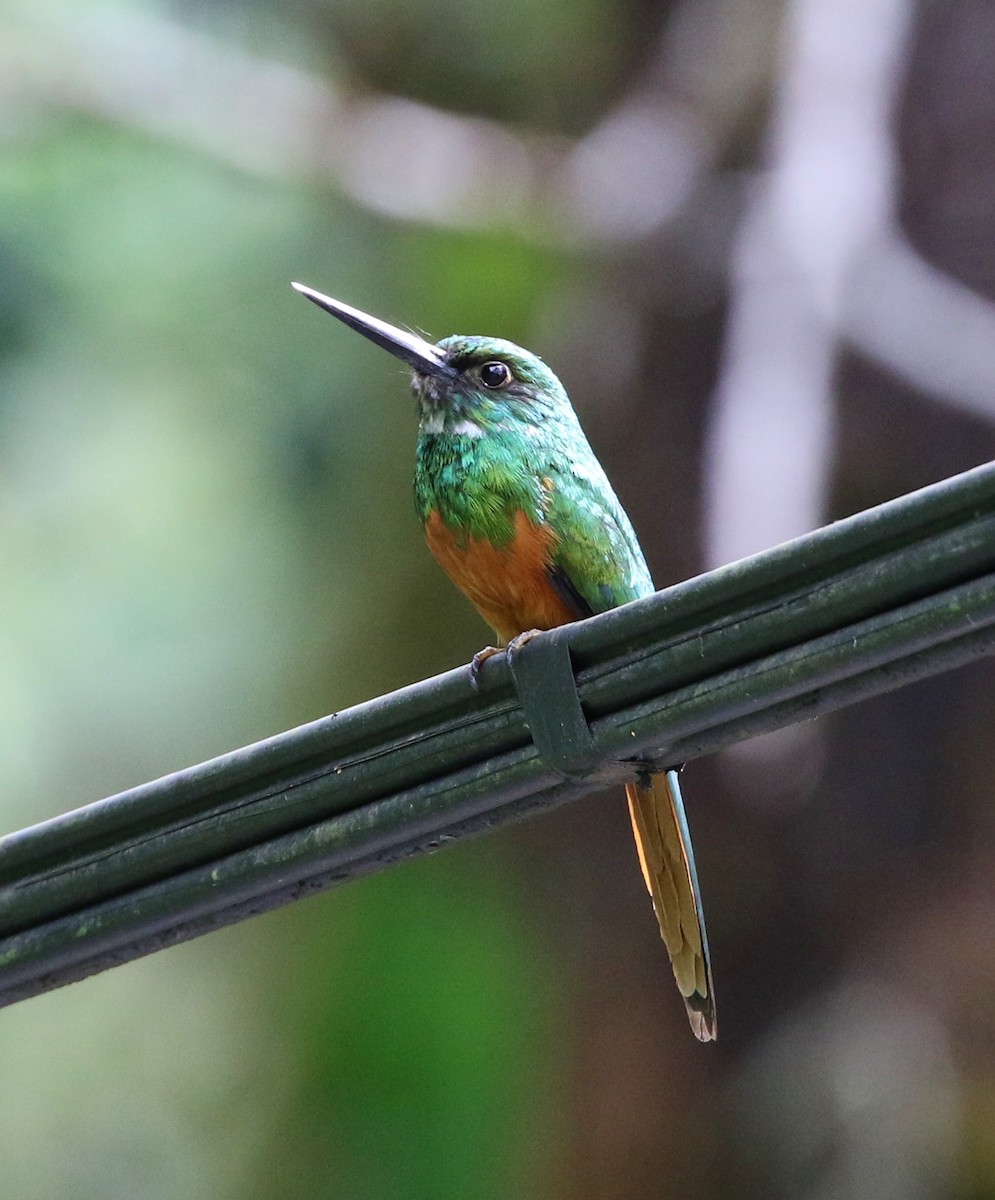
pixel 495 374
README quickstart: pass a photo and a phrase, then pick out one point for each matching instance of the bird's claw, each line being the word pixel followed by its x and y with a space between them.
pixel 520 639
pixel 478 661
pixel 482 656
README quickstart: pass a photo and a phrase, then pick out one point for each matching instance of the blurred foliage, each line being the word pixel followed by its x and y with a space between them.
pixel 207 535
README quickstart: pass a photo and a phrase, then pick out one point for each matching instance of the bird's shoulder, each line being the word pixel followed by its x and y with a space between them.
pixel 595 547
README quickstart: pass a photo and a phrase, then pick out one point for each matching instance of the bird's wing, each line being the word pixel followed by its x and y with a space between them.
pixel 597 563
pixel 664 847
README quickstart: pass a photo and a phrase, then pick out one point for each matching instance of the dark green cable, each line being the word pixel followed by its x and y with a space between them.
pixel 893 594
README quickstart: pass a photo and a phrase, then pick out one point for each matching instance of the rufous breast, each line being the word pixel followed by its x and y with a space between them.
pixel 510 586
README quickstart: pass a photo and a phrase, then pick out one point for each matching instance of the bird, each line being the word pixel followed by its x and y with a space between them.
pixel 519 513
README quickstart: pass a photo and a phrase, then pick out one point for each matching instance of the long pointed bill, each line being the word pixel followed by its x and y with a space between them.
pixel 408 347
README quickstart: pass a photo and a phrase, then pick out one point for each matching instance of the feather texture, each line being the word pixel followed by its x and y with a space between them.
pixel 664 848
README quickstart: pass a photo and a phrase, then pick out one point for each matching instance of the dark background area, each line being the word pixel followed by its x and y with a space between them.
pixel 757 242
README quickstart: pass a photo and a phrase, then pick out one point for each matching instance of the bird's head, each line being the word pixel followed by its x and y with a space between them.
pixel 465 385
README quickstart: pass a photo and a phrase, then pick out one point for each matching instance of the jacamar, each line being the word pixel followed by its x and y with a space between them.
pixel 521 516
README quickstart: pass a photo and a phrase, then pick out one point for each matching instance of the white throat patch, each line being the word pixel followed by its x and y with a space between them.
pixel 467 429
pixel 435 422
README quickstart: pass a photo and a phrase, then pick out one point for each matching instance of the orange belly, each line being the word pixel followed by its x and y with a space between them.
pixel 510 587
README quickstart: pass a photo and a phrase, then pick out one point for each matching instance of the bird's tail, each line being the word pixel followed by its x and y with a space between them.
pixel 664 847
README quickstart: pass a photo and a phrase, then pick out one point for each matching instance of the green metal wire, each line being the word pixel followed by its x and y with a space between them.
pixel 861 607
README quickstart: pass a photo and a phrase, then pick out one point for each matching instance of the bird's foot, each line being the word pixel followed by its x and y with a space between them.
pixel 520 639
pixel 478 661
pixel 482 656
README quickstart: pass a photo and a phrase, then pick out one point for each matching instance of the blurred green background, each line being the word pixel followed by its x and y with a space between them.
pixel 756 239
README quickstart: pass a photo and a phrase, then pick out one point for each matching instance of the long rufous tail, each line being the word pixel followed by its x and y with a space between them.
pixel 664 847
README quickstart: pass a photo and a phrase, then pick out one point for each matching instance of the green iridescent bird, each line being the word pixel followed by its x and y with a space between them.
pixel 521 516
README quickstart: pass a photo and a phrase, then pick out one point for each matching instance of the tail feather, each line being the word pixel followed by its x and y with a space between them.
pixel 663 844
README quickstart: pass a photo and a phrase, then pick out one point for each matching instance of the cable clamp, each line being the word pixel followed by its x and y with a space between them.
pixel 544 679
